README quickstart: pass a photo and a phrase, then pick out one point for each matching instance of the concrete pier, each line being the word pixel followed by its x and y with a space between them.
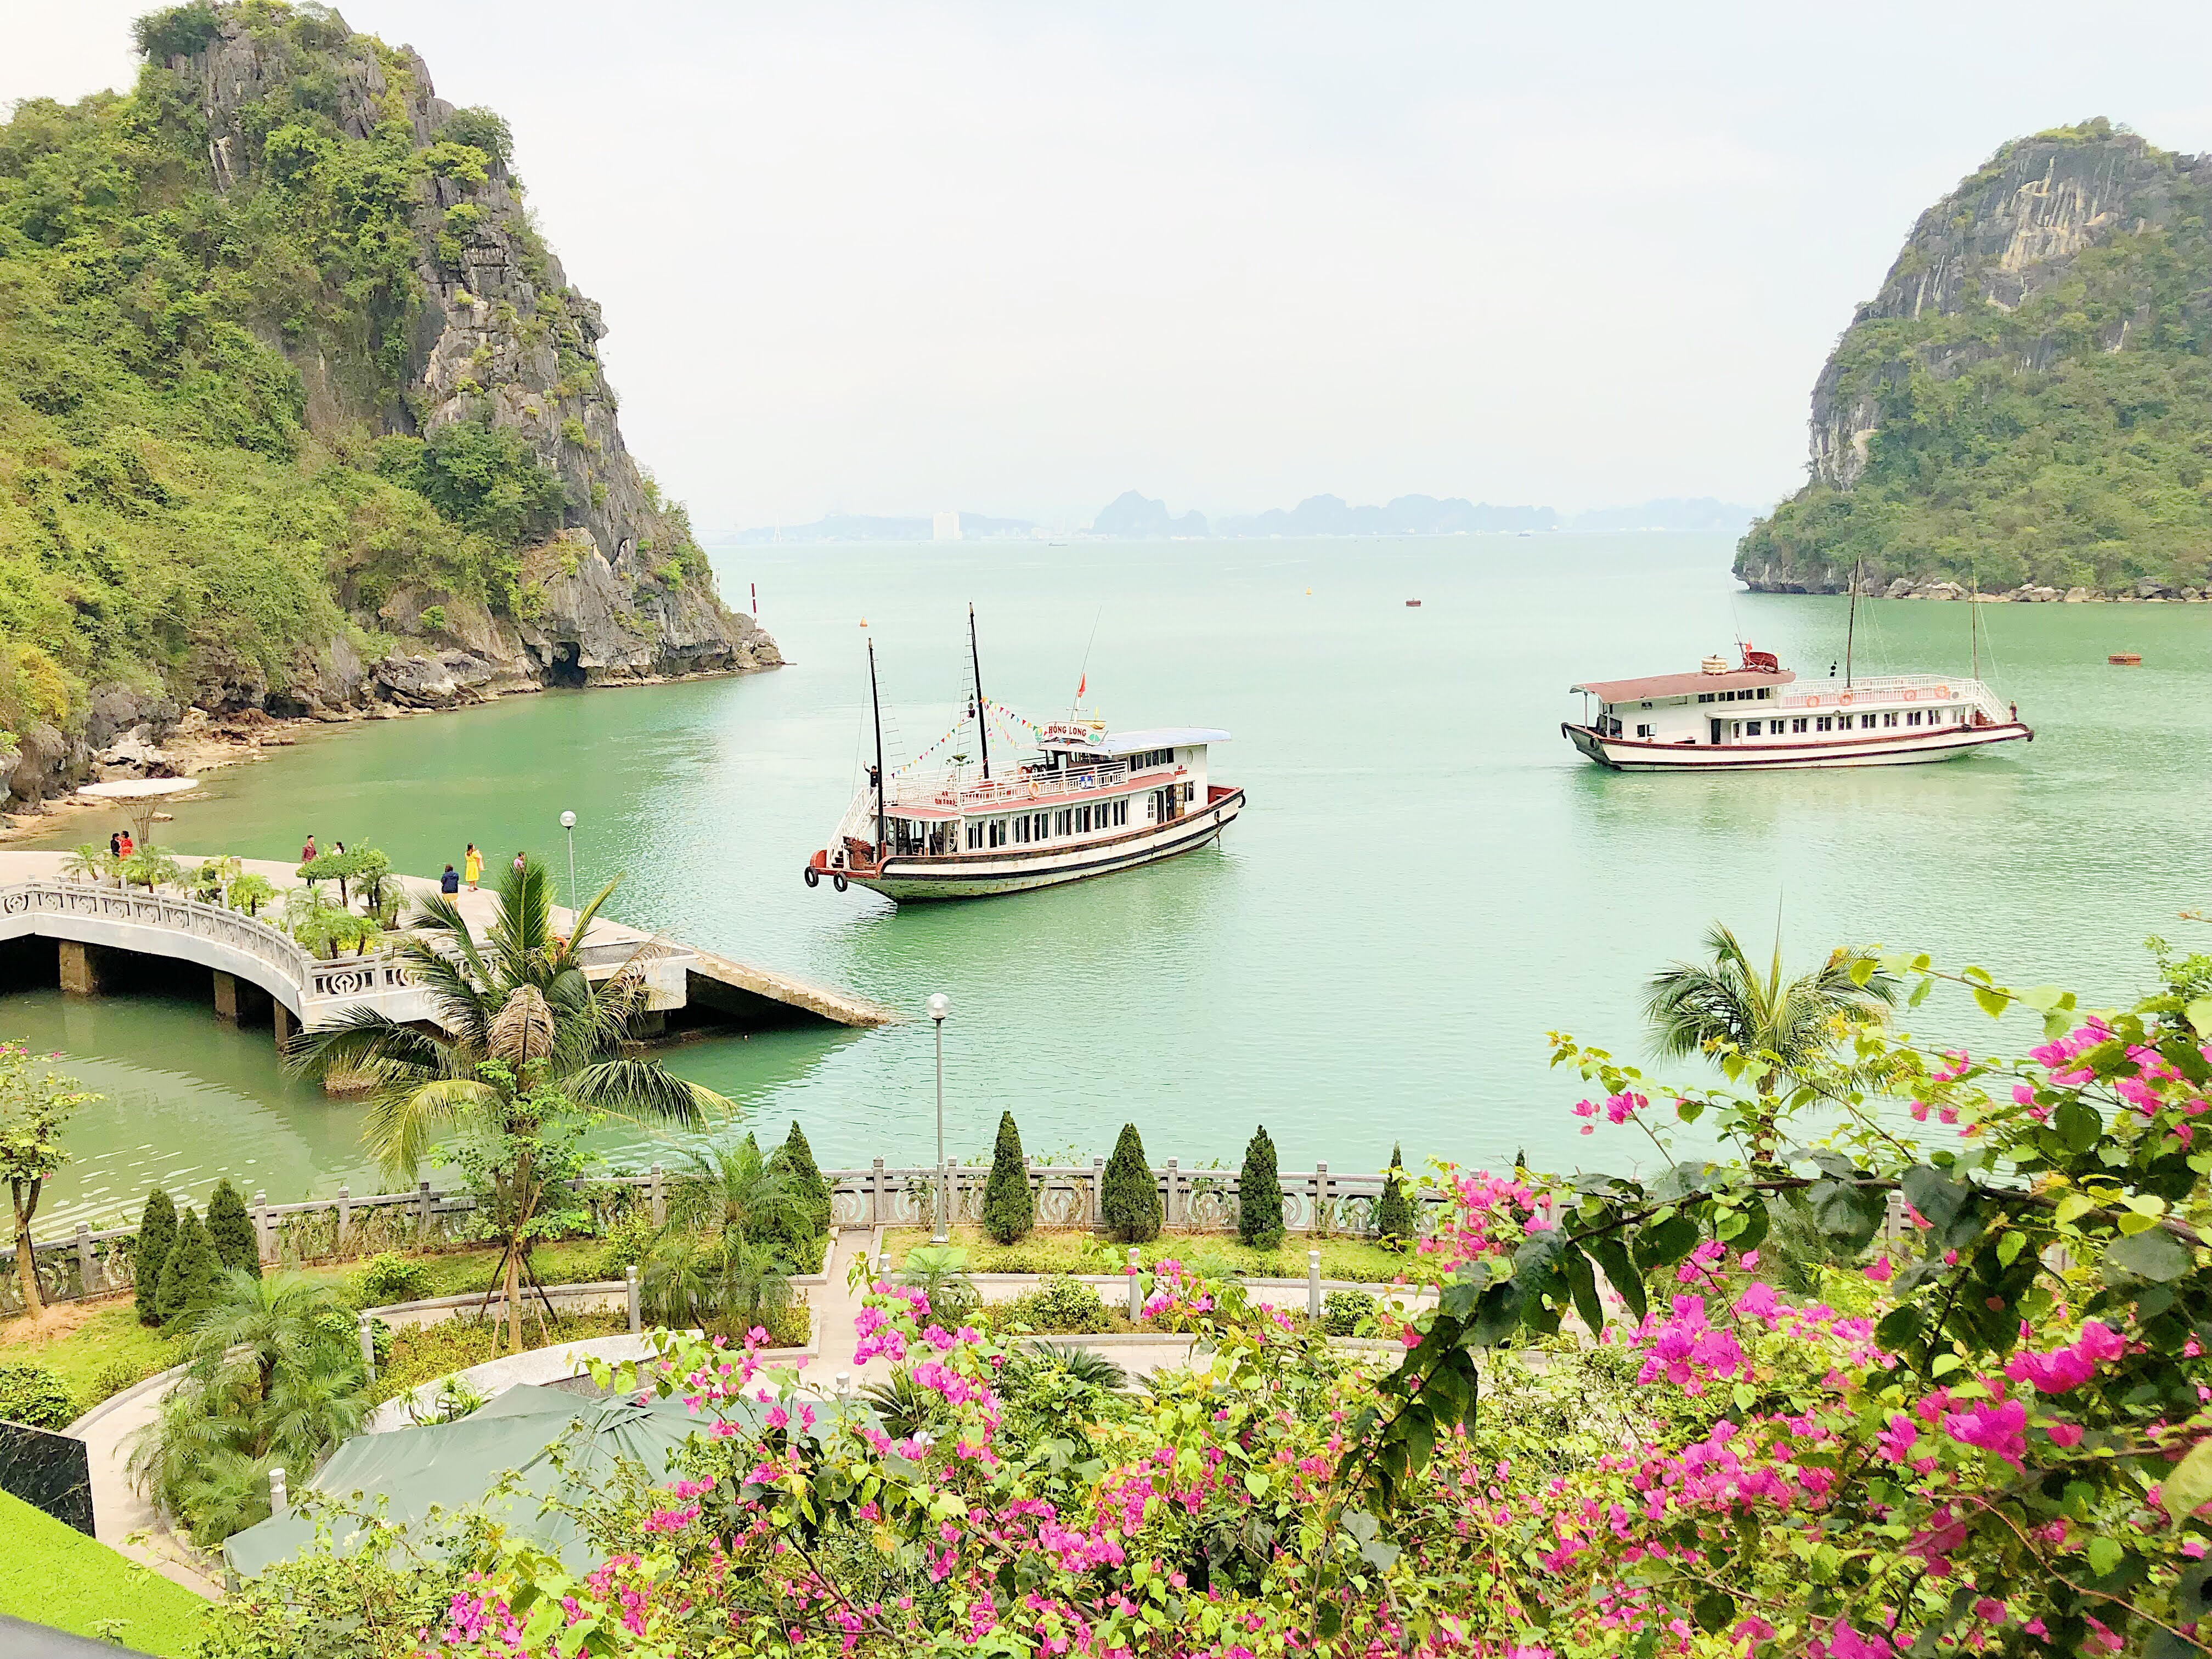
pixel 250 959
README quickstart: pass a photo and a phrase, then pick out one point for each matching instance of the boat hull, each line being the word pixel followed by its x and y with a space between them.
pixel 984 875
pixel 1897 748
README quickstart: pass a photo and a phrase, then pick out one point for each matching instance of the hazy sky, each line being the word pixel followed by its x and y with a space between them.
pixel 1018 258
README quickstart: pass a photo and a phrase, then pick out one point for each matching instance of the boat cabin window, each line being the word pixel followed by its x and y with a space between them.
pixel 1824 723
pixel 1751 728
pixel 1063 822
pixel 1704 696
pixel 1866 722
pixel 1797 725
pixel 1643 731
pixel 1890 718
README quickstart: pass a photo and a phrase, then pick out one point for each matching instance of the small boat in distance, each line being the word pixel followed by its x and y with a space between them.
pixel 2125 660
pixel 1412 604
pixel 1088 802
pixel 1756 717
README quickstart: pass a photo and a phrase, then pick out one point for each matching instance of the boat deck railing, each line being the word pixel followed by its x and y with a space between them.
pixel 1894 689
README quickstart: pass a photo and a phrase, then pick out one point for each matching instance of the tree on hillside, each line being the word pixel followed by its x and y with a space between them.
pixel 1260 1194
pixel 35 1104
pixel 1132 1198
pixel 157 1231
pixel 527 1050
pixel 1723 1005
pixel 1009 1202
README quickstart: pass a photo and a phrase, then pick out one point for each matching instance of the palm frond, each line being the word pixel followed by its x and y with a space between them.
pixel 403 1122
pixel 522 928
pixel 632 1088
pixel 366 1040
pixel 580 924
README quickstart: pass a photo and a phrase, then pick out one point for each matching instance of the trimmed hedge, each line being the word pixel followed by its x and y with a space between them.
pixel 35 1395
pixel 1260 1194
pixel 230 1230
pixel 189 1275
pixel 1394 1212
pixel 157 1231
pixel 1131 1202
pixel 1009 1202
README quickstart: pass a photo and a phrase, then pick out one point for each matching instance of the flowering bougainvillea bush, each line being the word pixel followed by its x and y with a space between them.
pixel 1931 1381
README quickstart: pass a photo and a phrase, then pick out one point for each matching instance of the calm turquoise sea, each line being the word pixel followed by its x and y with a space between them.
pixel 1426 881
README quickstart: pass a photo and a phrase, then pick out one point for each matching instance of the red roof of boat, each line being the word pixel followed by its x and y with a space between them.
pixel 1681 685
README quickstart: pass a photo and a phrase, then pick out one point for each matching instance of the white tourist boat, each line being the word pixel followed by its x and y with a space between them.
pixel 1757 716
pixel 1085 802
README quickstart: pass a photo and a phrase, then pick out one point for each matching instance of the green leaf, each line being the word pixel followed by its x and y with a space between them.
pixel 1920 993
pixel 2042 997
pixel 2078 1123
pixel 1255 1483
pixel 2105 1553
pixel 2073 1207
pixel 2189 1485
pixel 2200 1016
pixel 2157 1256
pixel 1714 1609
pixel 1992 1002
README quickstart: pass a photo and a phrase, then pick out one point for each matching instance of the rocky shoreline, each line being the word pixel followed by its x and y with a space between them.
pixel 146 735
pixel 1904 587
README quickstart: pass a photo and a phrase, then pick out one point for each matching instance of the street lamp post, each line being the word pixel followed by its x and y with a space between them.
pixel 940 1005
pixel 568 824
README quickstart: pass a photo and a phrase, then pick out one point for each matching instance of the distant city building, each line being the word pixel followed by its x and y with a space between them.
pixel 944 527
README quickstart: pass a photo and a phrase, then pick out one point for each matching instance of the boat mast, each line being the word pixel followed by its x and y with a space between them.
pixel 982 719
pixel 1851 622
pixel 882 838
pixel 1974 621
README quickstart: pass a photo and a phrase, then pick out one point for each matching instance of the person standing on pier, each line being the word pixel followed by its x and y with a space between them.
pixel 308 853
pixel 472 865
pixel 519 861
pixel 450 883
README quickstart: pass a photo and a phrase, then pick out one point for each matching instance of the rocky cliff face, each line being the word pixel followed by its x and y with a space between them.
pixel 1986 360
pixel 497 335
pixel 471 322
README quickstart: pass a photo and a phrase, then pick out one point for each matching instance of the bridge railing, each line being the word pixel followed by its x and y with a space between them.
pixel 313 979
pixel 91 1263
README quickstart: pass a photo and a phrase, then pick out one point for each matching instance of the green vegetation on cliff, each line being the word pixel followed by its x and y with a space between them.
pixel 2030 397
pixel 225 304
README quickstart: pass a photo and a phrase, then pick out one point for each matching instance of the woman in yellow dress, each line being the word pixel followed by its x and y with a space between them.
pixel 472 866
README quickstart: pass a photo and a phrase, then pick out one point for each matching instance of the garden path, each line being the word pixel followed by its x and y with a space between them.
pixel 122 1518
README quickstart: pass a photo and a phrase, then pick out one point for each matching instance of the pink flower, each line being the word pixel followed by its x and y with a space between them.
pixel 2065 1436
pixel 1881 1272
pixel 1994 1427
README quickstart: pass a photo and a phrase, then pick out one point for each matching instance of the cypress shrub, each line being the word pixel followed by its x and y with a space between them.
pixel 1132 1198
pixel 1394 1212
pixel 802 1230
pixel 230 1230
pixel 1009 1205
pixel 157 1231
pixel 189 1275
pixel 1260 1194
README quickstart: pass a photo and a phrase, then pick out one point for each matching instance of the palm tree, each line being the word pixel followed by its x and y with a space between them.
pixel 526 1044
pixel 1725 1004
pixel 272 1379
pixel 726 1281
pixel 89 861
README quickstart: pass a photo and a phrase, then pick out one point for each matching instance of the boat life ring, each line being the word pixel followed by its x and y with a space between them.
pixel 813 876
pixel 1844 699
pixel 837 881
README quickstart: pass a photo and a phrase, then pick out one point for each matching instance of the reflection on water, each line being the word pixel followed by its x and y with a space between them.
pixel 1426 881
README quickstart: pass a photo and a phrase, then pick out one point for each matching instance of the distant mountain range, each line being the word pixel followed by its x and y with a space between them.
pixel 1133 517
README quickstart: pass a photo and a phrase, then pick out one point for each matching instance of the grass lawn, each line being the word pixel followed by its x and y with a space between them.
pixel 1215 1254
pixel 98 1348
pixel 54 1575
pixel 421 1352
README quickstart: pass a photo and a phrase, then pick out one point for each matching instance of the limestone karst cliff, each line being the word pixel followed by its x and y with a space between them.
pixel 2026 403
pixel 297 413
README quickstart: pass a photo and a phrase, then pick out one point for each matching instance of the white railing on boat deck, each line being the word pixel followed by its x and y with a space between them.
pixel 951 793
pixel 1901 689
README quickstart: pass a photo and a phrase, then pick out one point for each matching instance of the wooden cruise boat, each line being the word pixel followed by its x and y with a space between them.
pixel 1757 716
pixel 1087 802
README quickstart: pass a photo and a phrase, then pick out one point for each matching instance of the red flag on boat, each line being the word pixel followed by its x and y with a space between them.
pixel 1079 685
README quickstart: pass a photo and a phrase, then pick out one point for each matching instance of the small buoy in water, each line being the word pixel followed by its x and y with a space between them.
pixel 1412 604
pixel 864 622
pixel 2125 658
pixel 1310 592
